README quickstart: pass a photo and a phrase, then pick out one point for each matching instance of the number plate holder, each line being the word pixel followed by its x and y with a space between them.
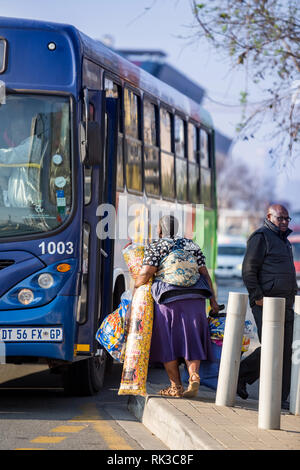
pixel 32 334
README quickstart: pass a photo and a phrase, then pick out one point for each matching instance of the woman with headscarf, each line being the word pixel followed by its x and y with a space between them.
pixel 180 326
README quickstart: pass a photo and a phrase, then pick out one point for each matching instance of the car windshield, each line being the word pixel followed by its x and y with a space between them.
pixel 296 251
pixel 35 163
pixel 231 250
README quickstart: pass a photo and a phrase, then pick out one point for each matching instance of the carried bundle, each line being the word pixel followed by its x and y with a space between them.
pixel 112 333
pixel 135 368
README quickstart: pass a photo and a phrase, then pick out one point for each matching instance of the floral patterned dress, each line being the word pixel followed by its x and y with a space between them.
pixel 180 328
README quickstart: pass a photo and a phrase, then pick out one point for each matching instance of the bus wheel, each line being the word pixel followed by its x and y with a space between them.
pixel 85 377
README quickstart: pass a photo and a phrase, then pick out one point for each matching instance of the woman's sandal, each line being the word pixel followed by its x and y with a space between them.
pixel 173 391
pixel 194 383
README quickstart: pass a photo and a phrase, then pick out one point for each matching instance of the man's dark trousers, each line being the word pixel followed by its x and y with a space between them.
pixel 250 366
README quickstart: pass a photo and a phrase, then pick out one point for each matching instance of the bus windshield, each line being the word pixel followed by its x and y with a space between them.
pixel 35 163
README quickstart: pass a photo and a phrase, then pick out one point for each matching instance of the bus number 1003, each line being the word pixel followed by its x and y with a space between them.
pixel 61 248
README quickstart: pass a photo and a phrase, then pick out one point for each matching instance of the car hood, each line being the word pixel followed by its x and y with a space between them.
pixel 229 260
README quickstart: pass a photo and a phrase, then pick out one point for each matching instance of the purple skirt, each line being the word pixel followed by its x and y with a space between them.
pixel 180 330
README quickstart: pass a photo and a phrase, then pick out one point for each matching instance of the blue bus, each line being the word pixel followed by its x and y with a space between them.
pixel 81 130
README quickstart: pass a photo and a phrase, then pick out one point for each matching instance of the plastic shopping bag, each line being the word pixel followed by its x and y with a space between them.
pixel 247 335
pixel 135 368
pixel 217 325
pixel 112 333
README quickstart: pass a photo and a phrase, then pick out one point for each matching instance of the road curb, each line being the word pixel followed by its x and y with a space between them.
pixel 174 428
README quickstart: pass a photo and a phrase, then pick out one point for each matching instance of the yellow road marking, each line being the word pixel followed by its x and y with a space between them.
pixel 112 439
pixel 91 415
pixel 68 428
pixel 48 439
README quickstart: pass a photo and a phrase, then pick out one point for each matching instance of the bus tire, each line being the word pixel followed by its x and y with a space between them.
pixel 85 377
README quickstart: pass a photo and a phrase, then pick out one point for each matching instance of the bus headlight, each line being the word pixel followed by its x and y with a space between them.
pixel 25 296
pixel 45 281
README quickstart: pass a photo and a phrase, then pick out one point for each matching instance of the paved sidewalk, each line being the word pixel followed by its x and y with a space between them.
pixel 189 424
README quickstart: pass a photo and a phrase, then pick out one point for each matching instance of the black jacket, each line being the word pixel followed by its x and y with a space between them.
pixel 268 267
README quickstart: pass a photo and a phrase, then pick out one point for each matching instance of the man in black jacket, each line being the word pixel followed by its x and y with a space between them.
pixel 268 271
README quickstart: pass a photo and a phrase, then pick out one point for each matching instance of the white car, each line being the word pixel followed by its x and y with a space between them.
pixel 230 258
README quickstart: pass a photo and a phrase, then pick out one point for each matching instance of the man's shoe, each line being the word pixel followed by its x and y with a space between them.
pixel 241 390
pixel 285 405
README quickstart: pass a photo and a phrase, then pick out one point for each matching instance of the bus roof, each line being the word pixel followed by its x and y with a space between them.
pixel 97 52
pixel 138 77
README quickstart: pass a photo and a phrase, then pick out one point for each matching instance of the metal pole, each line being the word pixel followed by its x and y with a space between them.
pixel 295 374
pixel 270 382
pixel 231 349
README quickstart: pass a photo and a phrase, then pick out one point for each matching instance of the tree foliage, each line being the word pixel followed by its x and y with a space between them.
pixel 263 38
pixel 241 187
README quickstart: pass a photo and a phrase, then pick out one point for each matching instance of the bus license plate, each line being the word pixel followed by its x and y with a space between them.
pixel 31 334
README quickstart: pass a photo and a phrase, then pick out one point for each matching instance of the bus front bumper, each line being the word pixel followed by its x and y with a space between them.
pixel 44 332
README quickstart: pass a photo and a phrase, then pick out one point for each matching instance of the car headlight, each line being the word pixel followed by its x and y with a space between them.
pixel 25 296
pixel 45 280
pixel 239 267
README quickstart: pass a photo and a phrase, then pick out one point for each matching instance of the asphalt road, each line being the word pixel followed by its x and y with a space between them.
pixel 35 414
pixel 226 285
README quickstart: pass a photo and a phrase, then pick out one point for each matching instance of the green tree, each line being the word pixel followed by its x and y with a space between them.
pixel 261 37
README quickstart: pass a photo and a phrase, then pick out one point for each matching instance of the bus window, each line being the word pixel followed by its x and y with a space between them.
pixel 111 89
pixel 204 149
pixel 167 157
pixel 133 142
pixel 181 160
pixel 151 153
pixel 114 91
pixel 193 164
pixel 91 75
pixel 206 189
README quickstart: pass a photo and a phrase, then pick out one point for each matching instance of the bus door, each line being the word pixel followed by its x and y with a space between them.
pixel 98 241
pixel 86 376
pixel 90 301
pixel 107 226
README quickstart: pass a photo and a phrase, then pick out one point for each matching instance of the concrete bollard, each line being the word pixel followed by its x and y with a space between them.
pixel 231 349
pixel 295 374
pixel 271 361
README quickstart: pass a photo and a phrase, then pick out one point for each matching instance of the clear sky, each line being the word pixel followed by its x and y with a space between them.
pixel 164 25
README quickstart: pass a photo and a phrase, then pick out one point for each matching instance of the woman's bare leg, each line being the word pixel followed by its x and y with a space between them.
pixel 193 367
pixel 172 370
pixel 194 380
pixel 176 389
